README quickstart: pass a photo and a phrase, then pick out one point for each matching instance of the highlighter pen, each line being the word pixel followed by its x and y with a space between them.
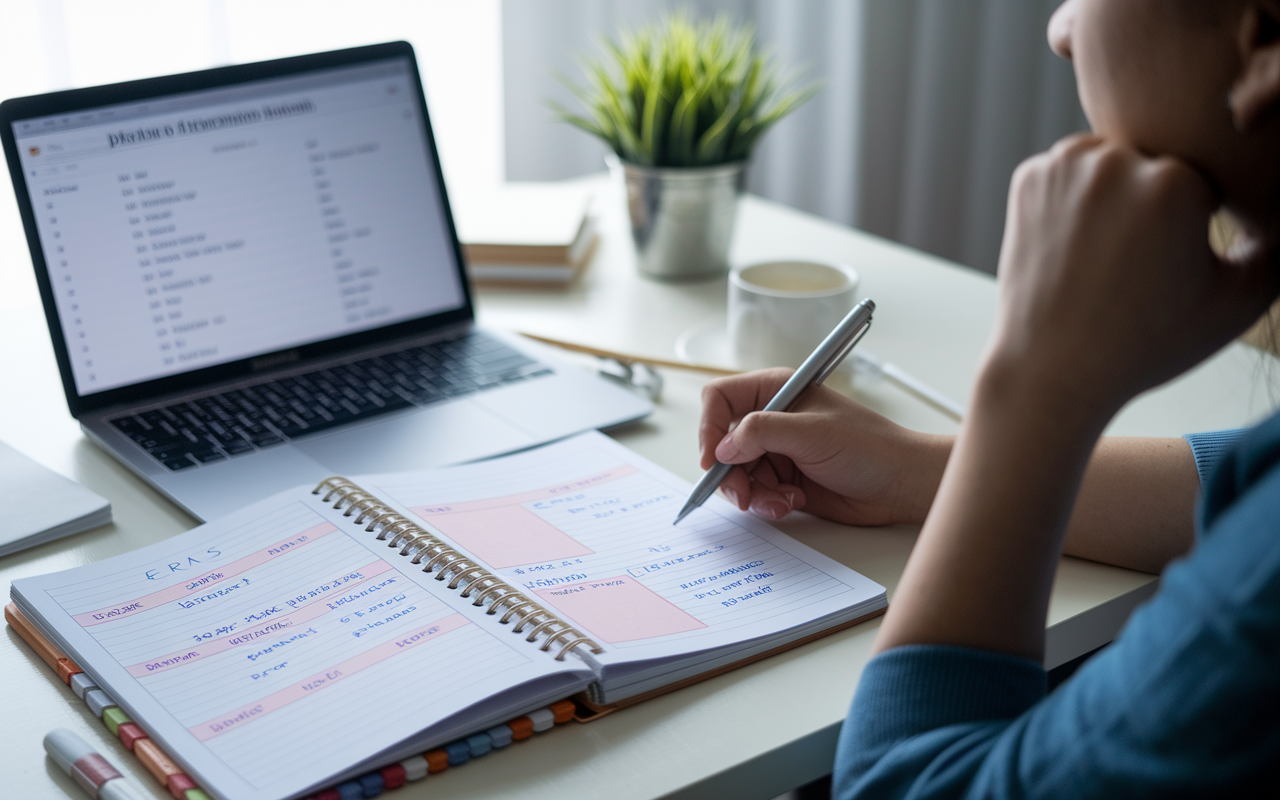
pixel 93 772
pixel 815 369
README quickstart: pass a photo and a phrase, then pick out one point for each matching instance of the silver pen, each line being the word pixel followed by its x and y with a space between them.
pixel 815 369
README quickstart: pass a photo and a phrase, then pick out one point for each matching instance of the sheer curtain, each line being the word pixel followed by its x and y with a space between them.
pixel 927 106
pixel 59 44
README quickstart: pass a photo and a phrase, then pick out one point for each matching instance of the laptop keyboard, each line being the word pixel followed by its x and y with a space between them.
pixel 239 421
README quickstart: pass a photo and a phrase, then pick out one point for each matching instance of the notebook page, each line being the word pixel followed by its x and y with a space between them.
pixel 584 526
pixel 276 647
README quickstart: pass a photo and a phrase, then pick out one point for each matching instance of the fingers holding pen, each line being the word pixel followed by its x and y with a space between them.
pixel 772 493
pixel 766 445
pixel 736 488
pixel 750 438
pixel 758 487
pixel 802 437
pixel 725 401
pixel 827 455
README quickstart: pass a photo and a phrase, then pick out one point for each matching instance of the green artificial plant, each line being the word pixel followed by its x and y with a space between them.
pixel 683 94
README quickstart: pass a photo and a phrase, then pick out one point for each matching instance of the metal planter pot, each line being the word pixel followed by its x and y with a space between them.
pixel 682 217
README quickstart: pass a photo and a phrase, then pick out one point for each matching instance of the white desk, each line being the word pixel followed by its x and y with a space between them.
pixel 753 733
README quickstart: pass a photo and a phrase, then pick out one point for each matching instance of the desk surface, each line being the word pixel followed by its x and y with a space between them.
pixel 753 733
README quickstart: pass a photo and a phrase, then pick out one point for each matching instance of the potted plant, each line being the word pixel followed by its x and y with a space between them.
pixel 681 104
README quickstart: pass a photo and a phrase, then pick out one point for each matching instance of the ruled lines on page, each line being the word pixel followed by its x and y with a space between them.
pixel 283 628
pixel 585 526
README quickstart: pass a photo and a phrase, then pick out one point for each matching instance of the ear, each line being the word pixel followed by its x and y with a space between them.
pixel 1257 90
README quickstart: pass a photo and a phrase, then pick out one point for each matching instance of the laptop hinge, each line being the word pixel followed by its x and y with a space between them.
pixel 275 360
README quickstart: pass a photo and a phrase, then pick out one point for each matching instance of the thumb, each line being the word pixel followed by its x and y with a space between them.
pixel 763 432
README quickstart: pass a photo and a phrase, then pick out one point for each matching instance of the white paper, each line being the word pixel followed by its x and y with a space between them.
pixel 584 526
pixel 278 646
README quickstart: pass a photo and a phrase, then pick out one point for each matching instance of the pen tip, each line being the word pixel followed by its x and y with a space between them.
pixel 684 512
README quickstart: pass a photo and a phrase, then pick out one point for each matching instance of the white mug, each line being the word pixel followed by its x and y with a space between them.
pixel 780 311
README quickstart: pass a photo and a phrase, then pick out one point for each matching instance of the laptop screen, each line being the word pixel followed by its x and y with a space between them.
pixel 197 229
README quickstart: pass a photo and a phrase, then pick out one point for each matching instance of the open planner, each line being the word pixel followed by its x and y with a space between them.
pixel 328 630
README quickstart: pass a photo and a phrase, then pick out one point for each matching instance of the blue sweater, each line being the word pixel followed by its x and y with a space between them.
pixel 1185 702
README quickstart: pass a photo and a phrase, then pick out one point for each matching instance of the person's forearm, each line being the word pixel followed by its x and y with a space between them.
pixel 1136 507
pixel 1107 289
pixel 982 568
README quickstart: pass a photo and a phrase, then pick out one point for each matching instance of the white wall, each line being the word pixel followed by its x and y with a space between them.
pixel 59 44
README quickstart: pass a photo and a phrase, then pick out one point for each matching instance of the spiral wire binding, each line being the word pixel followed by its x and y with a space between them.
pixel 418 543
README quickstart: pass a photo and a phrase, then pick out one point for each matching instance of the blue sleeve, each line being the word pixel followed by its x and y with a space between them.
pixel 1208 449
pixel 917 703
pixel 1185 701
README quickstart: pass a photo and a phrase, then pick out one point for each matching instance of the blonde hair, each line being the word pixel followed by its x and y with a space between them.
pixel 1224 232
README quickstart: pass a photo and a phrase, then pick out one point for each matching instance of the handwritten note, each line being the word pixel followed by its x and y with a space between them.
pixel 285 630
pixel 618 568
pixel 620 609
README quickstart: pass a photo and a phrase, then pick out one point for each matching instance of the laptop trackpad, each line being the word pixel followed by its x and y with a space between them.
pixel 447 433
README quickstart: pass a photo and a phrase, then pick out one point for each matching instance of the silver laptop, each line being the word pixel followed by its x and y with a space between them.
pixel 252 280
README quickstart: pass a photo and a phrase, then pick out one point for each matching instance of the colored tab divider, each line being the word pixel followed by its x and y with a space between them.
pixel 251 711
pixel 178 783
pixel 205 581
pixel 51 655
pixel 304 613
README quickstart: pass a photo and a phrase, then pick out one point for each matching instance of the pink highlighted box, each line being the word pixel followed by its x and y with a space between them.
pixel 508 536
pixel 619 609
pixel 503 533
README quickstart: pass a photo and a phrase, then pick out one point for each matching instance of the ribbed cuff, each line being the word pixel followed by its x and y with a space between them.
pixel 910 690
pixel 1208 449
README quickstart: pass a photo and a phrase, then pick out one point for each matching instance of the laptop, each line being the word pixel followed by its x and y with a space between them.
pixel 252 280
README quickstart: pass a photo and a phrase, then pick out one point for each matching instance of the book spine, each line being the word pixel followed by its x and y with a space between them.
pixel 464 575
pixel 521 273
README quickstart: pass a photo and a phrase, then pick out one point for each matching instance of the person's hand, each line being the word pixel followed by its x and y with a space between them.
pixel 1108 286
pixel 828 455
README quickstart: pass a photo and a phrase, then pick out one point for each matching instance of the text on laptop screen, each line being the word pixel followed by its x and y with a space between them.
pixel 208 227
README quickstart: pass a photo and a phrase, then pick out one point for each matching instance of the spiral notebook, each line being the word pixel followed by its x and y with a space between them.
pixel 328 630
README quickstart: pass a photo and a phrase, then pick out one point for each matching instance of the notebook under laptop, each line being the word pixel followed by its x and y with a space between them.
pixel 252 280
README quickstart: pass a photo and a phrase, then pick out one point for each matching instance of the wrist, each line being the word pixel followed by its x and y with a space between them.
pixel 918 485
pixel 1029 385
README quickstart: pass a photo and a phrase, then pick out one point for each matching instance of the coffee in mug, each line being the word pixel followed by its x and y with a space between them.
pixel 779 311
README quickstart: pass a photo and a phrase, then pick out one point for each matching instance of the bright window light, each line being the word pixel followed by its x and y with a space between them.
pixel 58 44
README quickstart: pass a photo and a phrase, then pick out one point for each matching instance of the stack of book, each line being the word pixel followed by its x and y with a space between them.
pixel 539 234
